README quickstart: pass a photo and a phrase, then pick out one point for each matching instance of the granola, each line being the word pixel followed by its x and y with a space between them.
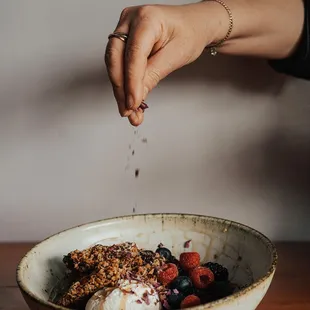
pixel 103 266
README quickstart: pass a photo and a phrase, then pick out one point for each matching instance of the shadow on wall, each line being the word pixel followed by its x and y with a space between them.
pixel 282 164
pixel 278 163
pixel 287 164
pixel 86 85
pixel 247 75
pixel 278 167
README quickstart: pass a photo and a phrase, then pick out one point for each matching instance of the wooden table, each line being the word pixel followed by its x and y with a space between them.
pixel 289 290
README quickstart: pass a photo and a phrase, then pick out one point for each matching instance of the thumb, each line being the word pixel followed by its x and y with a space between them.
pixel 161 64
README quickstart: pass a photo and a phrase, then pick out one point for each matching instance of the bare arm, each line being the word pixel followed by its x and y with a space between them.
pixel 263 28
pixel 162 38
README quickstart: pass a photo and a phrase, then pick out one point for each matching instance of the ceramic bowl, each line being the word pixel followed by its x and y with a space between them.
pixel 249 256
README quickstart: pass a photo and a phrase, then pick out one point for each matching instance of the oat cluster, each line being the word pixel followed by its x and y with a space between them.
pixel 103 266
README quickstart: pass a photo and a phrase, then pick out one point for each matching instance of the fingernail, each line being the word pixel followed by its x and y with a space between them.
pixel 130 102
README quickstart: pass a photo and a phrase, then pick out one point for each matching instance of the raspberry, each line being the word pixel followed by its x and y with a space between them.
pixel 167 273
pixel 189 260
pixel 190 301
pixel 202 277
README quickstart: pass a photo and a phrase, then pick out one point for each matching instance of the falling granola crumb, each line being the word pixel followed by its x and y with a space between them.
pixel 137 172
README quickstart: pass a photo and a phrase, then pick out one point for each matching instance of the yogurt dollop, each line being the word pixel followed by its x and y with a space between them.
pixel 129 295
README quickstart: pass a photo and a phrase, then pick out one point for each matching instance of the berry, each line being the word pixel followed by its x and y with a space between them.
pixel 182 272
pixel 189 260
pixel 177 263
pixel 164 252
pixel 221 289
pixel 167 273
pixel 201 277
pixel 183 284
pixel 174 260
pixel 203 294
pixel 220 272
pixel 174 299
pixel 190 301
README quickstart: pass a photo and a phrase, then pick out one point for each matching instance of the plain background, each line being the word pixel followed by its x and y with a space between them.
pixel 225 136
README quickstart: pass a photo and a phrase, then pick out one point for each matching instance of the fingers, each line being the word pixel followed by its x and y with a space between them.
pixel 136 117
pixel 114 58
pixel 161 64
pixel 142 38
pixel 148 56
pixel 158 67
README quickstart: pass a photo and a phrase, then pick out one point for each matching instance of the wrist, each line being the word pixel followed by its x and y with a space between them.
pixel 261 28
pixel 216 22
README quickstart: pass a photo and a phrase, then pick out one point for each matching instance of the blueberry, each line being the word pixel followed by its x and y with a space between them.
pixel 175 261
pixel 164 252
pixel 183 284
pixel 182 272
pixel 174 300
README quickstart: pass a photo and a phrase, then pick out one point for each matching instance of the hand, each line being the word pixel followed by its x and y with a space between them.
pixel 161 39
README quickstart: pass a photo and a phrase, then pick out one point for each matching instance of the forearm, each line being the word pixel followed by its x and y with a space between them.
pixel 263 28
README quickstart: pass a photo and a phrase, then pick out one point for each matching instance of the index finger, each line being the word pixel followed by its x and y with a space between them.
pixel 141 40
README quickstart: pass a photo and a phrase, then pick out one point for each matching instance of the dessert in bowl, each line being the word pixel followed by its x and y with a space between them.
pixel 197 244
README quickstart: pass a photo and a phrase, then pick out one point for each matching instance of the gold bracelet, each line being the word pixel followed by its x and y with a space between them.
pixel 213 47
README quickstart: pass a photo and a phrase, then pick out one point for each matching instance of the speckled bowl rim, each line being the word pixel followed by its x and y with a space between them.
pixel 218 302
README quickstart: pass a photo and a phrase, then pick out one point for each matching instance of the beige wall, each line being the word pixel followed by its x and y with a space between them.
pixel 226 137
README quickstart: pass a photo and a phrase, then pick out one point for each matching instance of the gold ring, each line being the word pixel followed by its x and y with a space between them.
pixel 119 35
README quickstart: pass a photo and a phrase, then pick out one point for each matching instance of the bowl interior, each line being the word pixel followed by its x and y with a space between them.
pixel 246 253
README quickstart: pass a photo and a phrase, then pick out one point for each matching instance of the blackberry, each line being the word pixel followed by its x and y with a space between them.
pixel 220 272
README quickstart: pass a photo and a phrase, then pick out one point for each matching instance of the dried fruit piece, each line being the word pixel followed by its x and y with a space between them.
pixel 189 260
pixel 202 277
pixel 190 301
pixel 143 106
pixel 167 273
pixel 187 244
